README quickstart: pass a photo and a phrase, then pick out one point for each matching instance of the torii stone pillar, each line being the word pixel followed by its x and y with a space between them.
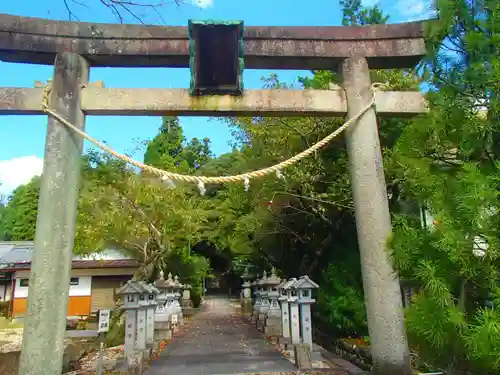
pixel 45 319
pixel 382 292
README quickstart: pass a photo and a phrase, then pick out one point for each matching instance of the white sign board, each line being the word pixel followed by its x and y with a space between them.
pixel 103 320
pixel 175 319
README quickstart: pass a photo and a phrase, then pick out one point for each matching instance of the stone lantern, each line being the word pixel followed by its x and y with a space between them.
pixel 273 316
pixel 177 308
pixel 170 304
pixel 258 300
pixel 284 289
pixel 130 293
pixel 305 286
pixel 264 306
pixel 162 316
pixel 186 296
pixel 246 293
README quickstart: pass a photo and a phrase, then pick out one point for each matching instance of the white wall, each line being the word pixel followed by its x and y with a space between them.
pixel 2 291
pixel 82 289
pixel 107 254
pixel 8 291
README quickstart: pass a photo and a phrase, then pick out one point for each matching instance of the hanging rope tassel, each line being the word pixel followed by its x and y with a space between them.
pixel 201 187
pixel 168 182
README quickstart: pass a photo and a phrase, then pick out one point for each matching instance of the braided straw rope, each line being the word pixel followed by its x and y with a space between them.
pixel 202 179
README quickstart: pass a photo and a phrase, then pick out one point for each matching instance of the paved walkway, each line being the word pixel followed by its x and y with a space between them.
pixel 219 341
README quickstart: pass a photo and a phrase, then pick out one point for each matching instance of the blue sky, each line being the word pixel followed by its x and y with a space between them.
pixel 23 137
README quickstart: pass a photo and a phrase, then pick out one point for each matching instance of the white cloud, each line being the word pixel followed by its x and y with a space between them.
pixel 370 3
pixel 413 10
pixel 18 171
pixel 203 3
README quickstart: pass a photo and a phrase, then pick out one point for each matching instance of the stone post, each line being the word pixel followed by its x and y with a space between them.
pixel 150 317
pixel 130 331
pixel 384 308
pixel 141 338
pixel 45 319
pixel 285 310
pixel 294 316
pixel 141 329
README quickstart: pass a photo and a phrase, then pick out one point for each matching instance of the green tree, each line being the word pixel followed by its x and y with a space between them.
pixel 3 208
pixel 137 213
pixel 18 217
pixel 354 13
pixel 168 150
pixel 448 161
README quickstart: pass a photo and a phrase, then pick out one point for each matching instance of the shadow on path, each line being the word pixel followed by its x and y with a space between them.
pixel 219 341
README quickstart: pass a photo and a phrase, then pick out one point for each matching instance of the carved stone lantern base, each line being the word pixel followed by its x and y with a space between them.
pixel 273 326
pixel 135 363
pixel 163 331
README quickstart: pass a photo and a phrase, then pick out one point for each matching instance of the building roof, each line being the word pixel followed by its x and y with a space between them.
pixel 18 255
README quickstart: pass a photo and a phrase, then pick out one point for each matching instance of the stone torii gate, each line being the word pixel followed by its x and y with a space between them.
pixel 75 47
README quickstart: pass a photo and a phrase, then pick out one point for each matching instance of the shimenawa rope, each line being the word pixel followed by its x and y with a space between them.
pixel 201 180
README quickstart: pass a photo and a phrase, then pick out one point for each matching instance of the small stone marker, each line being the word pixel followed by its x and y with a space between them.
pixel 103 321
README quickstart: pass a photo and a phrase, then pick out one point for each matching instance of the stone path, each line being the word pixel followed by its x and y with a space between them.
pixel 219 341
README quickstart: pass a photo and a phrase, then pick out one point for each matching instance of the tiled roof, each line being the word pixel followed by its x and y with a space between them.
pixel 16 252
pixel 120 263
pixel 18 255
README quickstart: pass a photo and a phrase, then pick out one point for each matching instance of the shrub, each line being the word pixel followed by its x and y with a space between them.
pixel 196 297
pixel 4 308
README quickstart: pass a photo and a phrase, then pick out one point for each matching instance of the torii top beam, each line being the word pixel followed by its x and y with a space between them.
pixel 36 40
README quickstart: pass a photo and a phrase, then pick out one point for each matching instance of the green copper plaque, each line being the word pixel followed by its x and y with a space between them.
pixel 216 57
